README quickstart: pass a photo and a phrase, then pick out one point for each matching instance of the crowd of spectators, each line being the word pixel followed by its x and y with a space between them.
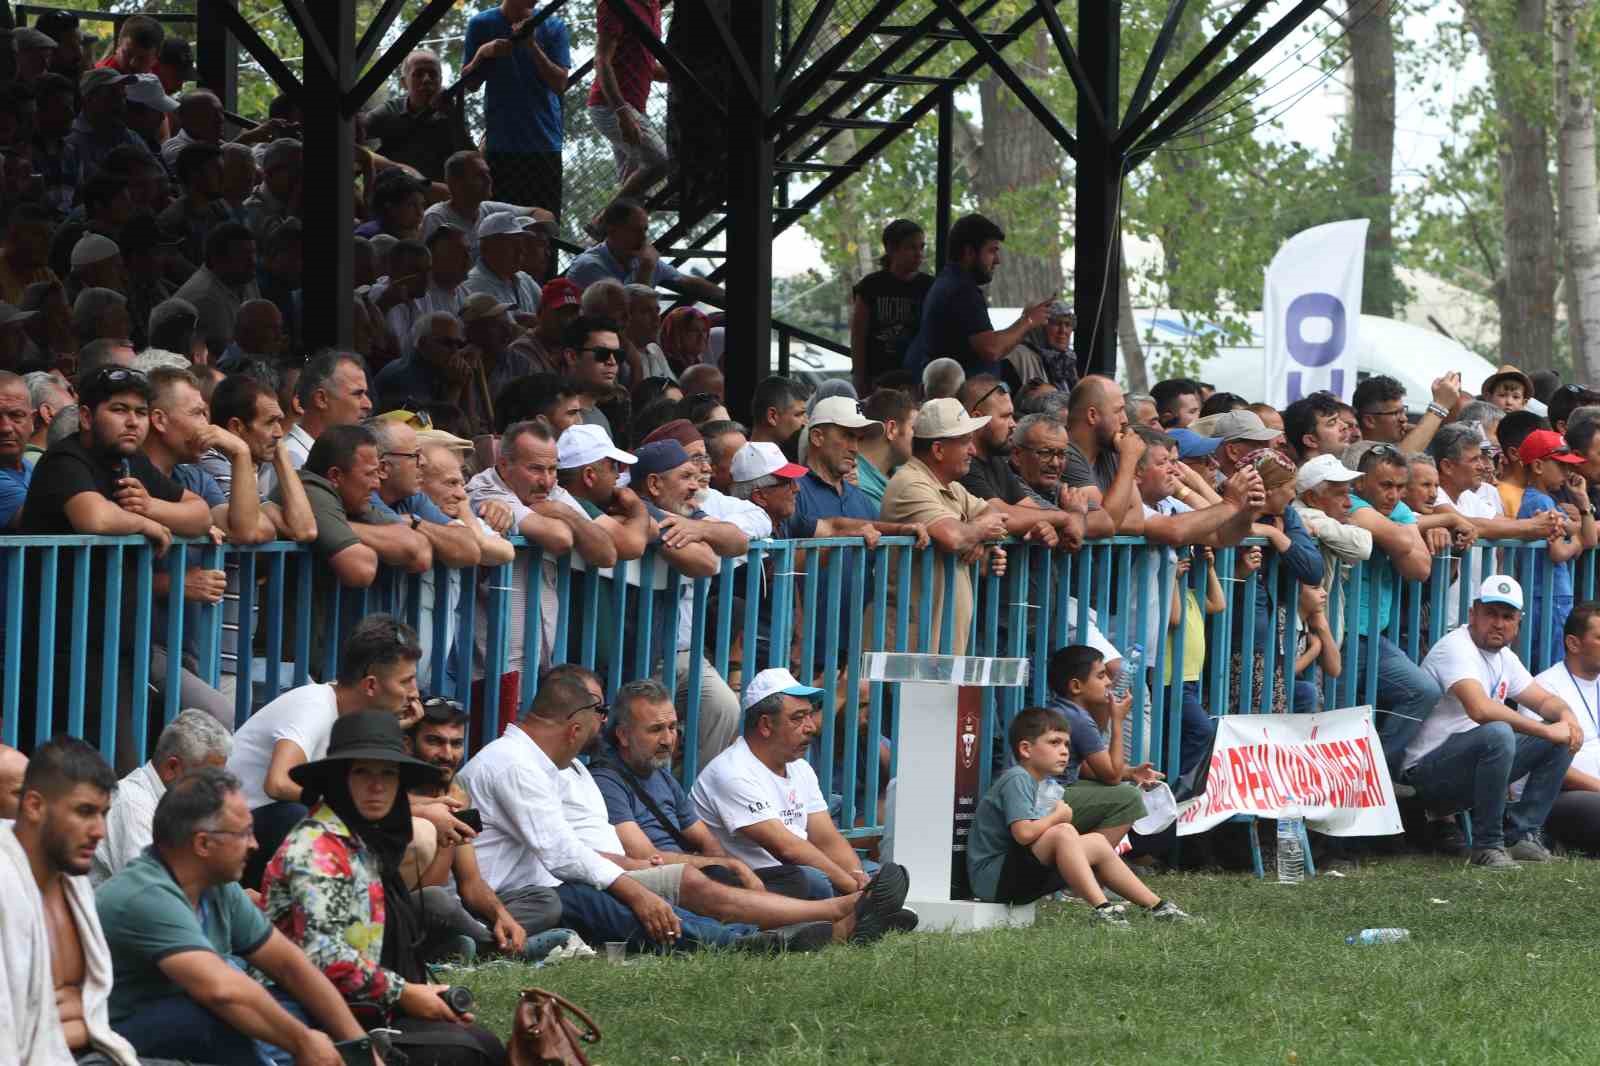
pixel 154 383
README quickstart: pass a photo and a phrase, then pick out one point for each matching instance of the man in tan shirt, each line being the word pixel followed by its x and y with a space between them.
pixel 927 490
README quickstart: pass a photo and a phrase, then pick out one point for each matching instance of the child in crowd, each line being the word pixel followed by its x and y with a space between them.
pixel 1188 626
pixel 1101 787
pixel 1316 648
pixel 1555 484
pixel 1021 849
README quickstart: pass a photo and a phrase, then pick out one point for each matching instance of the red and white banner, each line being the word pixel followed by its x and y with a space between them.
pixel 1327 768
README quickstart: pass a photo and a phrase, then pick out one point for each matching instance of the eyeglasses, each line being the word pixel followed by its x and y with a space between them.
pixel 999 386
pixel 1046 455
pixel 247 833
pixel 604 355
pixel 401 455
pixel 598 707
pixel 442 709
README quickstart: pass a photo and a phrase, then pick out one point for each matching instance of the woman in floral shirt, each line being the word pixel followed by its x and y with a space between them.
pixel 327 888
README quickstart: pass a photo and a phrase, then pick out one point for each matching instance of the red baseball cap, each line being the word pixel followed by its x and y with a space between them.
pixel 1547 444
pixel 558 293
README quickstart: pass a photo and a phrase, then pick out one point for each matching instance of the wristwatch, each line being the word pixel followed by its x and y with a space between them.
pixel 416 522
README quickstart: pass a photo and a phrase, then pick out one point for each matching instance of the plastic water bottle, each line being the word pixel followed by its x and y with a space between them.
pixel 1132 663
pixel 1378 936
pixel 1046 796
pixel 1291 851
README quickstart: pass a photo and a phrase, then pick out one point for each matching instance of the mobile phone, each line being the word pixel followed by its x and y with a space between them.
pixel 124 469
pixel 355 1052
pixel 472 818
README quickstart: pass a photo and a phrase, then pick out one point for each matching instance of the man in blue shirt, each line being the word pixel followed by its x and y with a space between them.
pixel 1398 553
pixel 955 315
pixel 522 106
pixel 1549 465
pixel 627 256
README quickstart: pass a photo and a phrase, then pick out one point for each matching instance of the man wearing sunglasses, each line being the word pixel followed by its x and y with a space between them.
pixel 592 354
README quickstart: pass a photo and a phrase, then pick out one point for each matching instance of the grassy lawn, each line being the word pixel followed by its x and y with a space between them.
pixel 1500 969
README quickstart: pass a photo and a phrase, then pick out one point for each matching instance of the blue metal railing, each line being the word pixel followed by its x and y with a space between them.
pixel 813 605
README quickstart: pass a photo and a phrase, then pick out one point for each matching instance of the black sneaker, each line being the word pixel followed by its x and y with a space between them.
pixel 801 936
pixel 1446 836
pixel 880 902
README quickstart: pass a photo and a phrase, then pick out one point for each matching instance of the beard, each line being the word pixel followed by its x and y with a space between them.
pixel 60 853
pixel 981 275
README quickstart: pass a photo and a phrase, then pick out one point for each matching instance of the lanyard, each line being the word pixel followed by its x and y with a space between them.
pixel 1576 687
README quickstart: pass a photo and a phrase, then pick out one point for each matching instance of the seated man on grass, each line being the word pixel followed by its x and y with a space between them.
pixel 761 798
pixel 652 813
pixel 1018 852
pixel 176 919
pixel 469 907
pixel 1101 788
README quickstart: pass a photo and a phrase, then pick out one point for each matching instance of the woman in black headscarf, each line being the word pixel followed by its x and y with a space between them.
pixel 335 889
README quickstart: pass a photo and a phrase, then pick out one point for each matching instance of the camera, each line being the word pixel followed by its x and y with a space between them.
pixel 458 999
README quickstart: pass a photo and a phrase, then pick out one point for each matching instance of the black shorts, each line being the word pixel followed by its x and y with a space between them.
pixel 1023 878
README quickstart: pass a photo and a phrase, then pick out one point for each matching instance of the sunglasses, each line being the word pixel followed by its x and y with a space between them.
pixel 442 709
pixel 115 375
pixel 999 386
pixel 604 355
pixel 598 707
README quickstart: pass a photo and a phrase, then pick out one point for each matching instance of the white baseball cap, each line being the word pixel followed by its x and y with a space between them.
pixel 583 444
pixel 760 458
pixel 146 89
pixel 945 418
pixel 773 681
pixel 1501 588
pixel 93 248
pixel 501 223
pixel 1320 469
pixel 840 411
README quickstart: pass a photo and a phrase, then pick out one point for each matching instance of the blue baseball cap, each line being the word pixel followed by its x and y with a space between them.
pixel 658 457
pixel 1192 445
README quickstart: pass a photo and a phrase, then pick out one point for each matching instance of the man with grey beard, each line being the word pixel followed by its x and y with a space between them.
pixel 644 801
pixel 668 480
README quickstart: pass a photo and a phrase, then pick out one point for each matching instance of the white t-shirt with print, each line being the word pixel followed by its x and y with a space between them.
pixel 1456 658
pixel 738 790
pixel 304 715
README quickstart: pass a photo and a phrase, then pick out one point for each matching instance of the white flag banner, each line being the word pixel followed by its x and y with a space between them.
pixel 1311 311
pixel 1326 768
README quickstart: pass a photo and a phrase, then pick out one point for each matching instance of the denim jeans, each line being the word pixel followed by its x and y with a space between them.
pixel 1403 688
pixel 599 916
pixel 1196 731
pixel 179 1028
pixel 1473 769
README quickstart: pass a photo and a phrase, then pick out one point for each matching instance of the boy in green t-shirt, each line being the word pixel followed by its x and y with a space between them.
pixel 1017 853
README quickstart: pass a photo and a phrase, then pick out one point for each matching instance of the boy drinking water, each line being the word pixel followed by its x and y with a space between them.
pixel 1017 853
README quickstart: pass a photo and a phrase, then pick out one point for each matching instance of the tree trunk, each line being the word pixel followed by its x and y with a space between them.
pixel 1128 334
pixel 1372 93
pixel 1020 158
pixel 1525 292
pixel 1575 169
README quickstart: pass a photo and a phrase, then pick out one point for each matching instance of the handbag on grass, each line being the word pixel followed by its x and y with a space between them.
pixel 543 1035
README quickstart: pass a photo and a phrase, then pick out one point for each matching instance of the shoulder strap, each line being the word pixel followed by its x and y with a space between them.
pixel 644 797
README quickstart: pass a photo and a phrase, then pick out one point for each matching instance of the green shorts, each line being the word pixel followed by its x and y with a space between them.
pixel 1095 805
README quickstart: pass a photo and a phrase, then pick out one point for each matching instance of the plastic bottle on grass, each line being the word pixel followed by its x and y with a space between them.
pixel 1378 936
pixel 1291 849
pixel 1132 663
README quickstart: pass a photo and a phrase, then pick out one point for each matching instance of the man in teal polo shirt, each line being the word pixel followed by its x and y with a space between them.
pixel 177 921
pixel 1398 552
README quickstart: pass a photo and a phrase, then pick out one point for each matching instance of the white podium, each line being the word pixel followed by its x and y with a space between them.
pixel 936 787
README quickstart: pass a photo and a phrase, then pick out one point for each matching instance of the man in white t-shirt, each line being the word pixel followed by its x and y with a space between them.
pixel 190 741
pixel 1472 745
pixel 377 671
pixel 761 798
pixel 545 824
pixel 1575 816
